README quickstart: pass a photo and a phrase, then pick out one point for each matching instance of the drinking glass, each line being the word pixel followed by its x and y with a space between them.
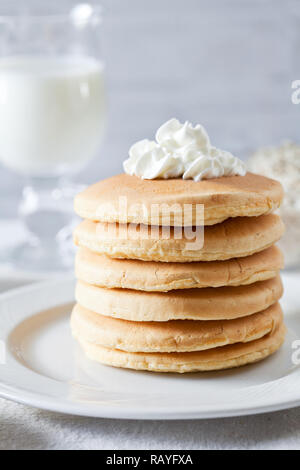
pixel 52 118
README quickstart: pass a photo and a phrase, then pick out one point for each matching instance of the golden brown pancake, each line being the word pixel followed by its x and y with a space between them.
pixel 234 238
pixel 230 196
pixel 188 304
pixel 103 271
pixel 174 335
pixel 225 357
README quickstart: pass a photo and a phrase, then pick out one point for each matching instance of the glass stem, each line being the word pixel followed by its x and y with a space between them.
pixel 44 209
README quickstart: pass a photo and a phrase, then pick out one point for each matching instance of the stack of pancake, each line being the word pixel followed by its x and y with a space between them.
pixel 158 303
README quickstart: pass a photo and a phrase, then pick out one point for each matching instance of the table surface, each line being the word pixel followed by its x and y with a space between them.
pixel 22 427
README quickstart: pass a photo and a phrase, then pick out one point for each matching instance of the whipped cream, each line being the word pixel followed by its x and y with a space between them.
pixel 181 150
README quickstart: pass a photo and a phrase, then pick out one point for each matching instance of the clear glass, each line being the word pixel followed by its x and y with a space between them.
pixel 52 119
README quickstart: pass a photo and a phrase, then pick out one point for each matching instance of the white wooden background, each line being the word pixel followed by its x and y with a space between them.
pixel 228 64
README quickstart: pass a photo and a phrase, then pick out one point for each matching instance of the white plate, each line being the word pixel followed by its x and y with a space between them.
pixel 45 368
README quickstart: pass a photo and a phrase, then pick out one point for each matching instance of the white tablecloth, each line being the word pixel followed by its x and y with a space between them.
pixel 22 427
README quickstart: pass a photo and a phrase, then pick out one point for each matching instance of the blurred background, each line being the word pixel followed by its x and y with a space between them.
pixel 224 63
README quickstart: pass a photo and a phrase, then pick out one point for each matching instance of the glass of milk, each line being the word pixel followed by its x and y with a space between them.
pixel 52 118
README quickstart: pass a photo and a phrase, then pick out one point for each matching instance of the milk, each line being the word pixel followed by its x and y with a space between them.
pixel 52 113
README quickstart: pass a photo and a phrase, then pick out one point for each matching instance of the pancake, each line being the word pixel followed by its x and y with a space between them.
pixel 224 357
pixel 174 335
pixel 223 303
pixel 102 271
pixel 230 196
pixel 234 238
